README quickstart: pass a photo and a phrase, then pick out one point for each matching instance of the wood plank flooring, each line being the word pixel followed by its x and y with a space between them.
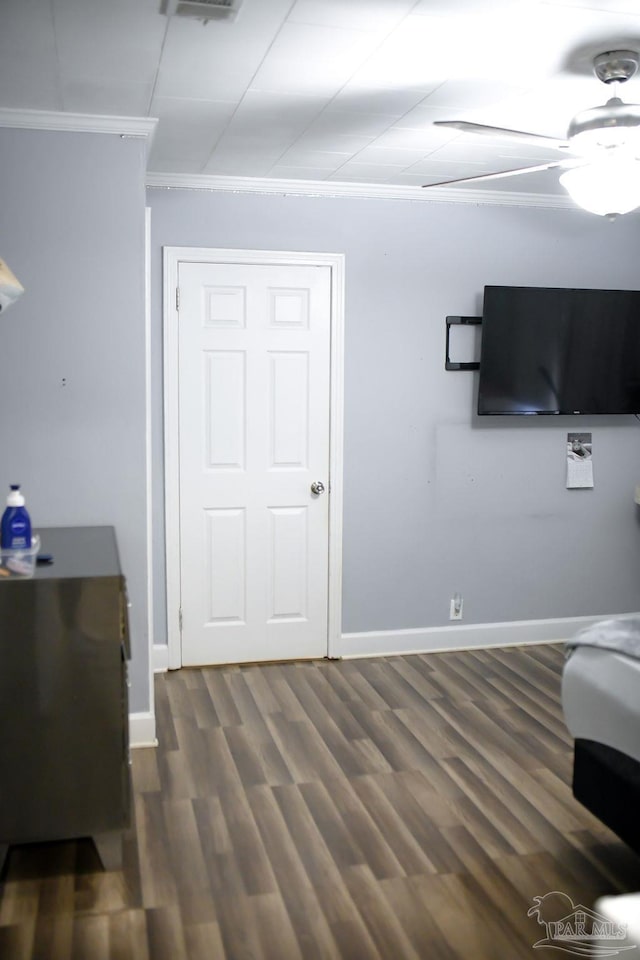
pixel 405 807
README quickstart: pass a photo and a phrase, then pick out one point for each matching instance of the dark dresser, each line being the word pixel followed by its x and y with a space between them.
pixel 64 646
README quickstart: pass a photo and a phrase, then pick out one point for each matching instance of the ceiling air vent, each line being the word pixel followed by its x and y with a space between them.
pixel 208 9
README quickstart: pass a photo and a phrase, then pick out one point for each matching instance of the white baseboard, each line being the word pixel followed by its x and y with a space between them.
pixel 388 643
pixel 142 730
pixel 381 643
pixel 160 658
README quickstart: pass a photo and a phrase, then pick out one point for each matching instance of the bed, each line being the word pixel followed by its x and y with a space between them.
pixel 601 703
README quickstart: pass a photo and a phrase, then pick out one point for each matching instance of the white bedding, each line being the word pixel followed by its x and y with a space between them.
pixel 601 698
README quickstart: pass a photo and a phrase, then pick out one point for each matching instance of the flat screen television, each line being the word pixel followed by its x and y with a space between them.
pixel 553 350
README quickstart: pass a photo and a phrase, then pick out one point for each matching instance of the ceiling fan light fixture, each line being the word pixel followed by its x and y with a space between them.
pixel 607 187
pixel 621 139
pixel 605 178
pixel 615 124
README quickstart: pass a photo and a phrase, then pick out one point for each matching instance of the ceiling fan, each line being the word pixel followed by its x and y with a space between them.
pixel 602 169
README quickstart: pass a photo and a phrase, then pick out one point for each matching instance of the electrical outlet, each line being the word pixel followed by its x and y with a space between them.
pixel 455 607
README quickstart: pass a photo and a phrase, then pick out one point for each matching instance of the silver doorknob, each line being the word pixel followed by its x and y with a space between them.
pixel 317 487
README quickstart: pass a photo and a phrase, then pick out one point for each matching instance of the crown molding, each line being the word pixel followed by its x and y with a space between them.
pixel 326 188
pixel 143 127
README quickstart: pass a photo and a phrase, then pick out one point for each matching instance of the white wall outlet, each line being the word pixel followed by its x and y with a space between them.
pixel 455 607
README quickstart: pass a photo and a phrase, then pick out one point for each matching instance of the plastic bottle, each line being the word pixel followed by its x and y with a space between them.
pixel 15 531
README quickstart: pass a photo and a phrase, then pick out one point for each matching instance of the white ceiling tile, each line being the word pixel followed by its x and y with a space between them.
pixel 338 123
pixel 100 40
pixel 138 10
pixel 604 6
pixel 523 45
pixel 458 8
pixel 314 80
pixel 287 113
pixel 356 177
pixel 160 163
pixel 256 147
pixel 407 179
pixel 182 159
pixel 300 173
pixel 407 58
pixel 433 170
pixel 423 116
pixel 252 144
pixel 298 156
pixel 208 84
pixel 388 156
pixel 428 138
pixel 181 156
pixel 337 144
pixel 380 100
pixel 125 99
pixel 238 163
pixel 426 51
pixel 552 38
pixel 322 58
pixel 299 42
pixel 209 62
pixel 193 113
pixel 376 14
pixel 471 93
pixel 267 124
pixel 187 129
pixel 366 172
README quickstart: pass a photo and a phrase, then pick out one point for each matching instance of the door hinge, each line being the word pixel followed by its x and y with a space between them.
pixel 180 619
pixel 177 298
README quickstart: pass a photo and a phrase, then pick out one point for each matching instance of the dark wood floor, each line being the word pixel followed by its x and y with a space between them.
pixel 407 807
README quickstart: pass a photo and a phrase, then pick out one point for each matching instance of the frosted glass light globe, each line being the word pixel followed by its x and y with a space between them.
pixel 607 187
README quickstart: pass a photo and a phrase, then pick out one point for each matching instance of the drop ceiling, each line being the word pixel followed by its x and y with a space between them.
pixel 338 91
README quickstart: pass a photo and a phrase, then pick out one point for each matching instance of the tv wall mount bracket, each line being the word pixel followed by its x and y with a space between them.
pixel 450 364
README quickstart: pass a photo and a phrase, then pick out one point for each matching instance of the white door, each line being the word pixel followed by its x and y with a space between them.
pixel 254 416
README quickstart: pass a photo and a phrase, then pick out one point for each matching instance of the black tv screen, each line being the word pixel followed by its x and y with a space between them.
pixel 551 350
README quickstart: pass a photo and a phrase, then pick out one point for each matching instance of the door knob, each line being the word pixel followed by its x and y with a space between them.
pixel 317 487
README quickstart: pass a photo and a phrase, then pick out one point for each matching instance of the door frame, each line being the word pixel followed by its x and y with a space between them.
pixel 172 257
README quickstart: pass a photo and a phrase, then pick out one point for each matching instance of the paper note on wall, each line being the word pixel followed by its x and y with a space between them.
pixel 579 461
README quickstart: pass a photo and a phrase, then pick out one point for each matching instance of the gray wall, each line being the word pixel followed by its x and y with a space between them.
pixel 437 500
pixel 72 230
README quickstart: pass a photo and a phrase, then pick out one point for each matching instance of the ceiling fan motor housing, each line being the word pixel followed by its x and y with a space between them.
pixel 616 66
pixel 615 123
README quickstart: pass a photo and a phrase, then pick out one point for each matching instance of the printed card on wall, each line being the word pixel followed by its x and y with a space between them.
pixel 579 461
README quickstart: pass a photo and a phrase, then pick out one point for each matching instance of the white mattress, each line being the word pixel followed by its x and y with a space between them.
pixel 601 698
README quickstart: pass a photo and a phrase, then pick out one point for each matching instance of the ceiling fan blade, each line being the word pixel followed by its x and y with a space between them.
pixel 508 173
pixel 536 139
